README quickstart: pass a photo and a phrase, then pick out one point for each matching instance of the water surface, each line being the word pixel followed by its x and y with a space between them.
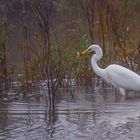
pixel 92 114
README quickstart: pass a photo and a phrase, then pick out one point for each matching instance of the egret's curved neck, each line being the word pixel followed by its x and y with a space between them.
pixel 96 57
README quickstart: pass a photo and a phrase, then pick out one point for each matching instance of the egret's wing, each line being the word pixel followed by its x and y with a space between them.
pixel 123 77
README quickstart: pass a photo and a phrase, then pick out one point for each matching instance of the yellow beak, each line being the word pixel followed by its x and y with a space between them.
pixel 84 53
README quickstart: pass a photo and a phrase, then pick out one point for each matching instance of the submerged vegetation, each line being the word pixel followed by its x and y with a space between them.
pixel 39 40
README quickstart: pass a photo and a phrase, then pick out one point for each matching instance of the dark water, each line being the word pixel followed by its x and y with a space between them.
pixel 94 114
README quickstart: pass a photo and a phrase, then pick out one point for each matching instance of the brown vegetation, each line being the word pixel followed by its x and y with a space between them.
pixel 51 32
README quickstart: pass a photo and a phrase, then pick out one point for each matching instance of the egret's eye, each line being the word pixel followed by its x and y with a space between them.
pixel 89 50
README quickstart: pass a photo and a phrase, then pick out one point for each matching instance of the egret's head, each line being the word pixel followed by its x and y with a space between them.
pixel 90 50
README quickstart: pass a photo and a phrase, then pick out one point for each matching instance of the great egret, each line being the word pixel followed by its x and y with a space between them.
pixel 119 76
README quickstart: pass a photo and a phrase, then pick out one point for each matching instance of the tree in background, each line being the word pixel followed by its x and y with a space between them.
pixel 3 39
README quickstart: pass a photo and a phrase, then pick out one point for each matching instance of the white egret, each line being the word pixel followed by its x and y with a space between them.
pixel 119 76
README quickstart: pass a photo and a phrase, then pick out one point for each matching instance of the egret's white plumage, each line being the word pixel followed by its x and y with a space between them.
pixel 119 76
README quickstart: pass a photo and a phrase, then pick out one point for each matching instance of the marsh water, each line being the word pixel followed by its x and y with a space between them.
pixel 86 114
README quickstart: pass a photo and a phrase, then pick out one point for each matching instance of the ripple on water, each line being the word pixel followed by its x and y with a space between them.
pixel 97 115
